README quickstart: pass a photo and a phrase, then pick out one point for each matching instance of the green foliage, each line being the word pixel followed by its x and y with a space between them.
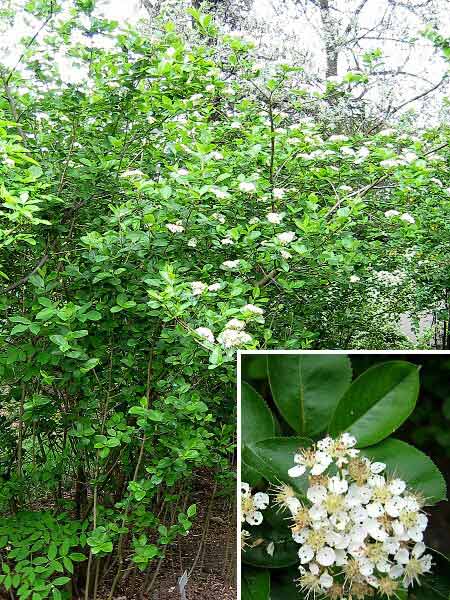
pixel 257 419
pixel 255 585
pixel 39 552
pixel 378 402
pixel 307 388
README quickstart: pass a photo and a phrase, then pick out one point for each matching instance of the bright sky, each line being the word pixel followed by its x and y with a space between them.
pixel 299 34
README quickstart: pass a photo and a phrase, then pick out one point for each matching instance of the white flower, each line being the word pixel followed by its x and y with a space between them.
pixel 316 494
pixel 175 227
pixel 278 193
pixel 336 485
pixel 247 186
pixel 407 218
pixel 230 264
pixel 409 157
pixel 183 172
pixel 325 580
pixel 285 254
pixel 338 138
pixel 275 218
pixel 397 487
pixel 219 217
pixel 391 213
pixel 235 125
pixel 326 556
pixel 171 51
pixel 235 324
pixel 214 287
pixel 221 194
pixel 198 288
pixel 227 241
pixel 286 237
pixel 192 243
pixel 251 308
pixel 132 173
pixel 305 554
pixel 346 150
pixel 386 132
pixel 230 338
pixel 377 467
pixel 216 155
pixel 354 279
pixel 363 152
pixel 389 163
pixel 251 506
pixel 206 333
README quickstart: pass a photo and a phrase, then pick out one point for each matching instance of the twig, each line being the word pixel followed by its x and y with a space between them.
pixel 25 278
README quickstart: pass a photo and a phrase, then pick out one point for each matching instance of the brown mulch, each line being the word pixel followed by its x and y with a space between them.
pixel 213 576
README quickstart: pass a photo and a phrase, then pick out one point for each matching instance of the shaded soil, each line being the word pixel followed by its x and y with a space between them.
pixel 208 553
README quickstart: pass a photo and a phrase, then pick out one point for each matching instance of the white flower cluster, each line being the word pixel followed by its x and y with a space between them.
pixel 248 187
pixel 286 237
pixel 252 505
pixel 234 335
pixel 390 278
pixel 175 227
pixel 404 217
pixel 360 532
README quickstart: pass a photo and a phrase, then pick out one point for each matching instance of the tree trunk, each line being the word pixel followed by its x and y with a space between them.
pixel 331 50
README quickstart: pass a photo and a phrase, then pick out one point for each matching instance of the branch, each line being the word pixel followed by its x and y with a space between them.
pixel 31 42
pixel 419 96
pixel 356 15
pixel 25 278
pixel 13 109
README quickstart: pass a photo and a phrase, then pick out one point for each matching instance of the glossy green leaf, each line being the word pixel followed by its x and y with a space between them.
pixel 377 402
pixel 255 584
pixel 257 420
pixel 273 457
pixel 270 544
pixel 306 388
pixel 411 465
pixel 283 585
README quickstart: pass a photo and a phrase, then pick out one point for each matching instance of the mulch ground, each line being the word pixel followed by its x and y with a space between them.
pixel 209 556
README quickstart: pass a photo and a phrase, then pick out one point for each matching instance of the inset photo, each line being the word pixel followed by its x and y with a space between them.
pixel 344 465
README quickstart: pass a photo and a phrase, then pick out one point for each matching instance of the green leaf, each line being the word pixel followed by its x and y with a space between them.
pixel 283 586
pixel 377 402
pixel 257 419
pixel 61 581
pixel 273 532
pixel 68 564
pixel 255 584
pixel 89 364
pixel 307 388
pixel 77 557
pixel 272 458
pixel 155 415
pixel 52 551
pixel 19 329
pixel 411 465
